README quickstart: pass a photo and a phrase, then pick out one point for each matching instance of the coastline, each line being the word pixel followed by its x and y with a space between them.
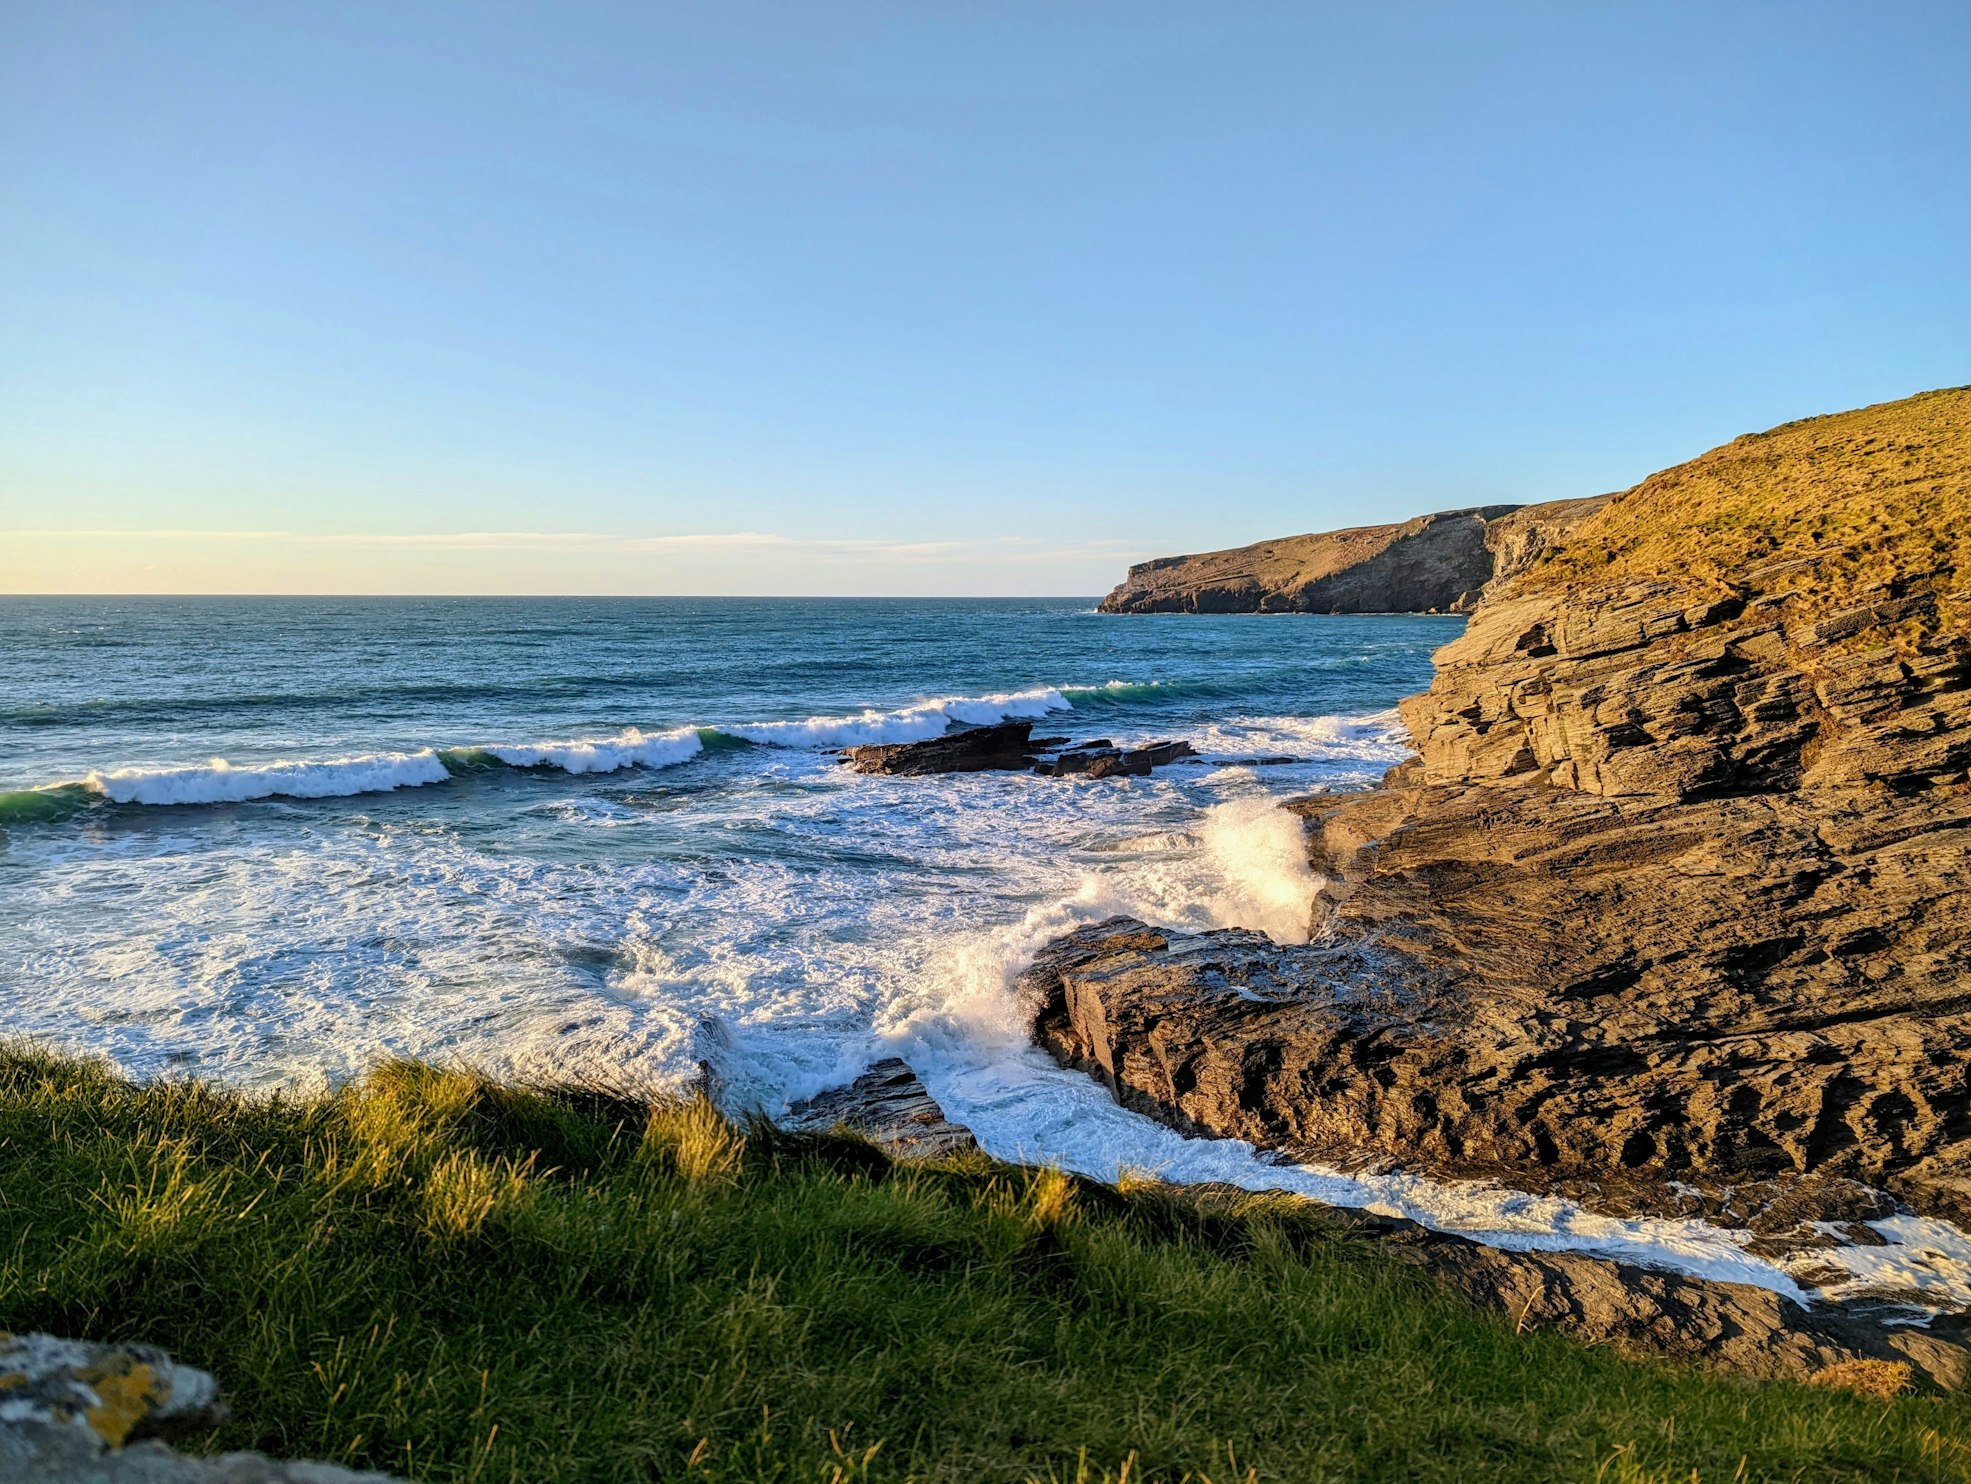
pixel 430 1273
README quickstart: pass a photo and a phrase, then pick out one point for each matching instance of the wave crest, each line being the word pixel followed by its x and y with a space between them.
pixel 916 723
pixel 630 748
pixel 219 782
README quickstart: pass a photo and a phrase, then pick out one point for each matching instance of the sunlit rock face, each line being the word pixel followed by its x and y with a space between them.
pixel 1679 883
pixel 1431 564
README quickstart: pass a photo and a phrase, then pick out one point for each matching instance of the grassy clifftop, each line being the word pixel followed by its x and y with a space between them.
pixel 434 1275
pixel 1823 509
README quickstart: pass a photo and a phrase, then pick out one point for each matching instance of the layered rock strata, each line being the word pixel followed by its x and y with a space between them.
pixel 1679 885
pixel 1007 747
pixel 890 1107
pixel 1734 1326
pixel 1430 564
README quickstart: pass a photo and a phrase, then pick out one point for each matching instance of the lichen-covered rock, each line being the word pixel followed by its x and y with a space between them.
pixel 107 1394
pixel 77 1412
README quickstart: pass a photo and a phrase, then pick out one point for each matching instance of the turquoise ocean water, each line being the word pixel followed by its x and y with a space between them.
pixel 278 839
pixel 275 841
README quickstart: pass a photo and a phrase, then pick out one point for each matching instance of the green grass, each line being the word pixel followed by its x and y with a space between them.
pixel 431 1274
pixel 1880 495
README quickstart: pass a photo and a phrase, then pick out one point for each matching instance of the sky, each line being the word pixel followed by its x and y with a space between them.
pixel 943 298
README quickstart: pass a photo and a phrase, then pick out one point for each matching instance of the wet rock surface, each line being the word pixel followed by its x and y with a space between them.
pixel 1103 759
pixel 889 1106
pixel 1432 564
pixel 1677 890
pixel 1737 1326
pixel 1011 747
pixel 76 1412
pixel 1180 1026
pixel 1007 747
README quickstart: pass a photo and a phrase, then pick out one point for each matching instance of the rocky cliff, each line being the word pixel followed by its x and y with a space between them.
pixel 1432 564
pixel 1679 884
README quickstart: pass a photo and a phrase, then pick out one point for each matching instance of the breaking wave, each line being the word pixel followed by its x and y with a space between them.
pixel 910 724
pixel 219 781
pixel 628 749
pixel 1260 852
pixel 48 805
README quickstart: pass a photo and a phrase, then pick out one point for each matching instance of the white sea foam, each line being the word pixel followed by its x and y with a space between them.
pixel 966 1033
pixel 1259 850
pixel 220 782
pixel 1918 1255
pixel 1036 1112
pixel 627 749
pixel 1159 842
pixel 788 931
pixel 1379 739
pixel 909 724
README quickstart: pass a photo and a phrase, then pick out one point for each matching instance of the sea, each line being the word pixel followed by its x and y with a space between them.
pixel 273 842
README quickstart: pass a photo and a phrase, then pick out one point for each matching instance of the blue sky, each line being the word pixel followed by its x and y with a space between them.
pixel 861 297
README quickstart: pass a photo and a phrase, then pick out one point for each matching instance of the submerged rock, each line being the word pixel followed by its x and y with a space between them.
pixel 889 1106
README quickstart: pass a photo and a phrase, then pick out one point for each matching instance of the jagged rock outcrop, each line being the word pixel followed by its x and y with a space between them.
pixel 1103 759
pixel 1010 747
pixel 1431 564
pixel 889 1106
pixel 1680 882
pixel 1007 747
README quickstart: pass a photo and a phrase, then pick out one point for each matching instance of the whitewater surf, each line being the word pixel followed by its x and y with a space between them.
pixel 274 844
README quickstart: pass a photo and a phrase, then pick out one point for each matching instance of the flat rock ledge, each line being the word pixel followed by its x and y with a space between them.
pixel 1165 1021
pixel 83 1413
pixel 1011 747
pixel 1734 1326
pixel 890 1107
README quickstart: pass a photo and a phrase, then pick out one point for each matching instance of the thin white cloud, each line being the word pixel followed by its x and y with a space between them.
pixel 1000 548
pixel 122 535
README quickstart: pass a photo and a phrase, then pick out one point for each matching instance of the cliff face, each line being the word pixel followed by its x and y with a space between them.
pixel 1432 564
pixel 1680 882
